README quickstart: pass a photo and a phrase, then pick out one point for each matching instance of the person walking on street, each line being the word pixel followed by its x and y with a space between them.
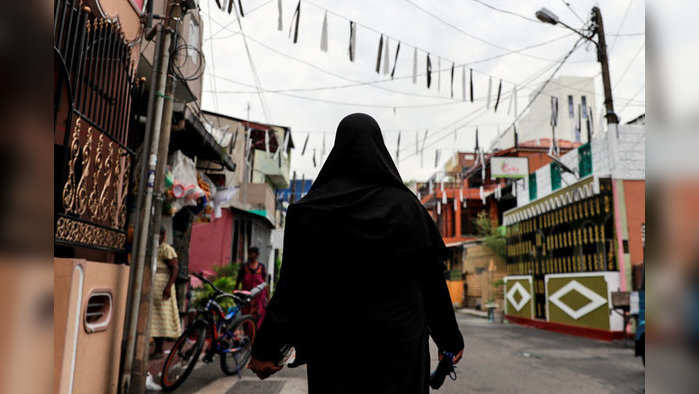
pixel 165 317
pixel 250 275
pixel 361 286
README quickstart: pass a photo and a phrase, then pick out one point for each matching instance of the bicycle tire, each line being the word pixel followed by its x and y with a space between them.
pixel 233 362
pixel 198 329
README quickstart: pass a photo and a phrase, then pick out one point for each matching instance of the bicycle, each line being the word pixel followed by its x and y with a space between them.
pixel 230 335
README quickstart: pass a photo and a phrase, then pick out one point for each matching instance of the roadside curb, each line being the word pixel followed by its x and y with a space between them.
pixel 473 312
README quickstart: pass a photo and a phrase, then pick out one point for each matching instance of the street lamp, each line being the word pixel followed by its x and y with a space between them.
pixel 547 16
pixel 597 28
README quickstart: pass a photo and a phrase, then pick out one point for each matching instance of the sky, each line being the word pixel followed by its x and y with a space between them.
pixel 310 91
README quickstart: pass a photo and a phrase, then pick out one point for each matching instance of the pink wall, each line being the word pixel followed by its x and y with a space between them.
pixel 210 243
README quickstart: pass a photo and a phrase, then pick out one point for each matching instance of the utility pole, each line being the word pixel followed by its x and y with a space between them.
pixel 604 62
pixel 140 362
pixel 160 106
pixel 153 125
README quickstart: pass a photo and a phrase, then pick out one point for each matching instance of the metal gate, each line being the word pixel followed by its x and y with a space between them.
pixel 93 90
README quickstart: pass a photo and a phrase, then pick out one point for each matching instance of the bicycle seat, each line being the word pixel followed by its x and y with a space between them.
pixel 244 295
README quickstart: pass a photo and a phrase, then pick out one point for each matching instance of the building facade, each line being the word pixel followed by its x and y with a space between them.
pixel 575 237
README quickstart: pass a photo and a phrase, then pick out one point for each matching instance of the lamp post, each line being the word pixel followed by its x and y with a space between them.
pixel 597 28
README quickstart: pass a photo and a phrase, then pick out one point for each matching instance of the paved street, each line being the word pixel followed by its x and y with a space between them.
pixel 498 359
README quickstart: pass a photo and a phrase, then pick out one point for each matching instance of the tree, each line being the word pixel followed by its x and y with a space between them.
pixel 493 237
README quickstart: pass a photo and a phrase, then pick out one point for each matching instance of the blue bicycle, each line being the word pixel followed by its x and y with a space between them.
pixel 229 334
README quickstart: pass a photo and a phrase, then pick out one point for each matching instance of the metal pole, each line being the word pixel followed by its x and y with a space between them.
pixel 153 123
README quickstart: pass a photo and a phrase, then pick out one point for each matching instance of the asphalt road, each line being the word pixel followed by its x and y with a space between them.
pixel 499 358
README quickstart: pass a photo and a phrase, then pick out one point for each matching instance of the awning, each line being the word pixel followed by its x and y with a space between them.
pixel 194 140
pixel 584 188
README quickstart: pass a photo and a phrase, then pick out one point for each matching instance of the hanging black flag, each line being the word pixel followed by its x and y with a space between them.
pixel 230 6
pixel 470 71
pixel 353 36
pixel 476 139
pixel 295 22
pixel 240 7
pixel 452 80
pixel 378 55
pixel 497 99
pixel 218 3
pixel 305 143
pixel 314 158
pixel 395 61
pixel 429 71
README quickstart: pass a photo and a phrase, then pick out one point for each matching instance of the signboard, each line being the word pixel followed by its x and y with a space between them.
pixel 509 167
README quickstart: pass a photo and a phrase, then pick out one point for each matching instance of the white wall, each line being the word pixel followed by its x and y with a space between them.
pixel 536 122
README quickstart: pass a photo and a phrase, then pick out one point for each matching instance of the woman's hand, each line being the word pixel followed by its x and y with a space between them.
pixel 263 369
pixel 166 293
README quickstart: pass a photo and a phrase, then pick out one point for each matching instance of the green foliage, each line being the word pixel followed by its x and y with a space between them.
pixel 224 279
pixel 493 237
pixel 498 283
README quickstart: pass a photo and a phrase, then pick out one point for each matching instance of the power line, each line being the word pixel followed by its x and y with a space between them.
pixel 258 83
pixel 467 34
pixel 248 13
pixel 567 4
pixel 506 11
pixel 374 82
pixel 626 70
pixel 621 25
pixel 541 89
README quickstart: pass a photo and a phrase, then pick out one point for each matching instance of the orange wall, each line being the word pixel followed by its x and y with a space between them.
pixel 635 199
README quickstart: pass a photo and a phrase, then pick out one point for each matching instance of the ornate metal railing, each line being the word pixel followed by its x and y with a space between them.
pixel 92 109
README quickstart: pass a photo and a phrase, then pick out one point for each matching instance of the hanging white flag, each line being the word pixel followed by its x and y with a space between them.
pixel 324 34
pixel 267 141
pixel 456 205
pixel 463 83
pixel 461 194
pixel 280 23
pixel 415 65
pixel 430 187
pixel 490 89
pixel 444 194
pixel 386 57
pixel 439 208
pixel 482 195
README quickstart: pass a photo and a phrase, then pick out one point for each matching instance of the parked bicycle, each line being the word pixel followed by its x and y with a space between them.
pixel 229 334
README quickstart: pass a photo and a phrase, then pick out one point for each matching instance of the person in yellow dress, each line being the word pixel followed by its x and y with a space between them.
pixel 165 317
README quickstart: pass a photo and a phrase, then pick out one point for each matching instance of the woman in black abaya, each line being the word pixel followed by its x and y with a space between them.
pixel 361 285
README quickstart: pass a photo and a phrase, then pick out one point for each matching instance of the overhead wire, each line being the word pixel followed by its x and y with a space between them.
pixel 541 89
pixel 505 11
pixel 467 34
pixel 567 4
pixel 253 68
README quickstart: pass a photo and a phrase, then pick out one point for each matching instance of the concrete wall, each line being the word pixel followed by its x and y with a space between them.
pixel 536 122
pixel 635 196
pixel 210 243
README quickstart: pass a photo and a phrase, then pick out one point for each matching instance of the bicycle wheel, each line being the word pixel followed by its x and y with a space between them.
pixel 237 338
pixel 183 356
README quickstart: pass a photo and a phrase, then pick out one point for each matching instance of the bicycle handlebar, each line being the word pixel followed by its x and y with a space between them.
pixel 253 292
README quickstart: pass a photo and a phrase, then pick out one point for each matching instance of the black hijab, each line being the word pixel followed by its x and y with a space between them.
pixel 357 228
pixel 359 186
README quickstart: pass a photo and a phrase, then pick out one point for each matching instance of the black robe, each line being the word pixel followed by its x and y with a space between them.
pixel 361 285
